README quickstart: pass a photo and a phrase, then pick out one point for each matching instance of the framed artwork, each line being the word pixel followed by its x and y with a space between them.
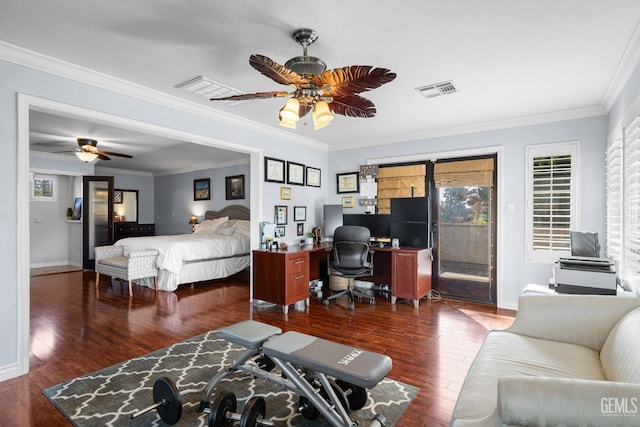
pixel 273 170
pixel 347 202
pixel 201 189
pixel 117 197
pixel 299 213
pixel 313 177
pixel 234 187
pixel 348 182
pixel 281 215
pixel 44 188
pixel 285 193
pixel 280 231
pixel 300 229
pixel 295 173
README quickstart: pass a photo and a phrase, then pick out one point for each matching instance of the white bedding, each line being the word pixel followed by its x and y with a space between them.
pixel 227 245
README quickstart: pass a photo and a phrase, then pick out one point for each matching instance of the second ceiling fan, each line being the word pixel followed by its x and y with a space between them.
pixel 89 151
pixel 315 88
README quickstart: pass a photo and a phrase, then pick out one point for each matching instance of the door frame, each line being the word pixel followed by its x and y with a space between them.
pixel 88 263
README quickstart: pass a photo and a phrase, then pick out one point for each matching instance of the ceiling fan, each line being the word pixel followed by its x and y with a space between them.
pixel 89 151
pixel 317 89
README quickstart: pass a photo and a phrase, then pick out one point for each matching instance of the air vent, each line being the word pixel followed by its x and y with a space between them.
pixel 431 91
pixel 210 89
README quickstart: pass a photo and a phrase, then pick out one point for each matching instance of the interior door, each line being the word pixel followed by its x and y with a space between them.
pixel 464 228
pixel 97 222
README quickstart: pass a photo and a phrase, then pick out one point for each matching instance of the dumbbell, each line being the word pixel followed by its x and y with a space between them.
pixel 223 411
pixel 167 401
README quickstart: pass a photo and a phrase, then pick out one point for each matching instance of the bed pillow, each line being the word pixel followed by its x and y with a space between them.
pixel 210 225
pixel 228 223
pixel 243 226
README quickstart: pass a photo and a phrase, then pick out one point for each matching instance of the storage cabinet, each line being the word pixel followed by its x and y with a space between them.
pixel 411 274
pixel 281 277
pixel 130 229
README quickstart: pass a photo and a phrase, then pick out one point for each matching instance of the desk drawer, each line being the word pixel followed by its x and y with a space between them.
pixel 297 264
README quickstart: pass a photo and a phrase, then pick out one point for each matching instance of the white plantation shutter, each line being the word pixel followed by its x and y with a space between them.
pixel 551 193
pixel 614 199
pixel 631 254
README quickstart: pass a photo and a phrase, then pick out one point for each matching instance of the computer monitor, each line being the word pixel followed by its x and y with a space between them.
pixel 332 219
pixel 585 244
pixel 411 234
pixel 378 225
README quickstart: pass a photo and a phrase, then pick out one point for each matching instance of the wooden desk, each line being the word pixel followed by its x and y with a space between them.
pixel 283 276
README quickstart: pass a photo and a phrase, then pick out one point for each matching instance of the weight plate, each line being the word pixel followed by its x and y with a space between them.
pixel 253 411
pixel 356 395
pixel 165 389
pixel 222 403
pixel 307 409
pixel 342 397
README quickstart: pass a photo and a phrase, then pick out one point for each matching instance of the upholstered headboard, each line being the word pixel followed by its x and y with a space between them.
pixel 232 211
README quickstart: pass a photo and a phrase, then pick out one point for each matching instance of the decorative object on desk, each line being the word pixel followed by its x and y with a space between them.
pixel 201 189
pixel 283 246
pixel 91 399
pixel 194 223
pixel 69 213
pixel 234 187
pixel 313 177
pixel 300 229
pixel 317 234
pixel 273 170
pixel 348 182
pixel 347 202
pixel 295 173
pixel 395 243
pixel 281 215
pixel 280 230
pixel 285 193
pixel 117 197
pixel 299 213
pixel 309 240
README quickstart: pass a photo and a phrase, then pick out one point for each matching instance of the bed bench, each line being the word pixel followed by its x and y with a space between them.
pixel 114 261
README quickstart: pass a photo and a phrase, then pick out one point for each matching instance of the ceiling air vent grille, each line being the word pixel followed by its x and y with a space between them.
pixel 210 89
pixel 431 91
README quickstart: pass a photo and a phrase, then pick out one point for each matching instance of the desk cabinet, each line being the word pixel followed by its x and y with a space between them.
pixel 281 277
pixel 410 274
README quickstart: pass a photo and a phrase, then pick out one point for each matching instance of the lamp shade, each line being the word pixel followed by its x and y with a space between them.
pixel 86 157
pixel 291 110
pixel 193 220
pixel 286 123
pixel 321 115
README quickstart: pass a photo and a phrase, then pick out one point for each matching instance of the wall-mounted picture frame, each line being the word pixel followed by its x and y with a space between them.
pixel 300 229
pixel 280 215
pixel 202 189
pixel 295 173
pixel 347 202
pixel 299 213
pixel 285 193
pixel 234 187
pixel 313 177
pixel 273 170
pixel 348 182
pixel 117 197
pixel 44 188
pixel 280 230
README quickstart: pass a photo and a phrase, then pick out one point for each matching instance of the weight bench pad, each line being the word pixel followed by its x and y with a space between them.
pixel 358 367
pixel 250 334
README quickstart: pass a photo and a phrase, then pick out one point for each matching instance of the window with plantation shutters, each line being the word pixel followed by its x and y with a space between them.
pixel 614 199
pixel 551 189
pixel 631 199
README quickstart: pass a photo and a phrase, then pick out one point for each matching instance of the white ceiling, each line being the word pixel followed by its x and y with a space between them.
pixel 514 62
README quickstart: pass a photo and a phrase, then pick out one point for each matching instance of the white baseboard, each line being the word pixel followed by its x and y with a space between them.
pixel 8 372
pixel 49 264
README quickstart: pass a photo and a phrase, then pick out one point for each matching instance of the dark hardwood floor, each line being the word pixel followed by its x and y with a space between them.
pixel 76 330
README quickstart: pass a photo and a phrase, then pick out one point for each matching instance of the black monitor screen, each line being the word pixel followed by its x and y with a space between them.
pixel 409 209
pixel 411 234
pixel 584 243
pixel 332 219
pixel 378 225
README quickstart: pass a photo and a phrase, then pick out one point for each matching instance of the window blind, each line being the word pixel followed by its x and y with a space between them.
pixel 464 173
pixel 631 186
pixel 614 199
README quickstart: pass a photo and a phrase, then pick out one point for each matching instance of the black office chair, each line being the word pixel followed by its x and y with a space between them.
pixel 352 258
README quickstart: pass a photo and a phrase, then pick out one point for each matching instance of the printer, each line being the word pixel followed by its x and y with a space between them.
pixel 585 275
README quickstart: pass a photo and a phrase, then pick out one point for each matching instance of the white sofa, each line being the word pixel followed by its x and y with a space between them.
pixel 570 360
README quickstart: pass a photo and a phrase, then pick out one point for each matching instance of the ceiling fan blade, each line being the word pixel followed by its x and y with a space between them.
pixel 111 153
pixel 276 72
pixel 102 156
pixel 250 96
pixel 351 80
pixel 353 106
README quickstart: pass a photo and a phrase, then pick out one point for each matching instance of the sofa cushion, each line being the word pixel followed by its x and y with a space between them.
pixel 505 353
pixel 621 350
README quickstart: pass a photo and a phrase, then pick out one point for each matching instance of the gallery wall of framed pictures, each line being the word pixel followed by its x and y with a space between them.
pixel 292 173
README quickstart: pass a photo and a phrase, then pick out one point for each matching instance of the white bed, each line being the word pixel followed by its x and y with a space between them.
pixel 219 247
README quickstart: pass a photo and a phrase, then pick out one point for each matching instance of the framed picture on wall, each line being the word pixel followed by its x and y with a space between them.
pixel 202 189
pixel 273 170
pixel 285 193
pixel 313 177
pixel 295 173
pixel 281 215
pixel 347 202
pixel 234 187
pixel 300 229
pixel 117 197
pixel 299 213
pixel 348 182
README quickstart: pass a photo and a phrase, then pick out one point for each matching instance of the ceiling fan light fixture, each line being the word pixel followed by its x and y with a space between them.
pixel 86 156
pixel 291 109
pixel 321 115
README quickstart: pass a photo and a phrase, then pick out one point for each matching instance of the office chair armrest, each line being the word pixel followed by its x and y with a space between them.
pixel 371 253
pixel 328 252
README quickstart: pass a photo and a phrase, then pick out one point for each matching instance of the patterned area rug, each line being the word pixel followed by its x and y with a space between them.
pixel 108 397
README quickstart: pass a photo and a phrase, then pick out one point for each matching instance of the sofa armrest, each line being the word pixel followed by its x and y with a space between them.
pixel 101 252
pixel 535 401
pixel 578 319
pixel 149 253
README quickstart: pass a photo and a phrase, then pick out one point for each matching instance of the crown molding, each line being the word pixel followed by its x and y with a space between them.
pixel 627 65
pixel 51 65
pixel 484 127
